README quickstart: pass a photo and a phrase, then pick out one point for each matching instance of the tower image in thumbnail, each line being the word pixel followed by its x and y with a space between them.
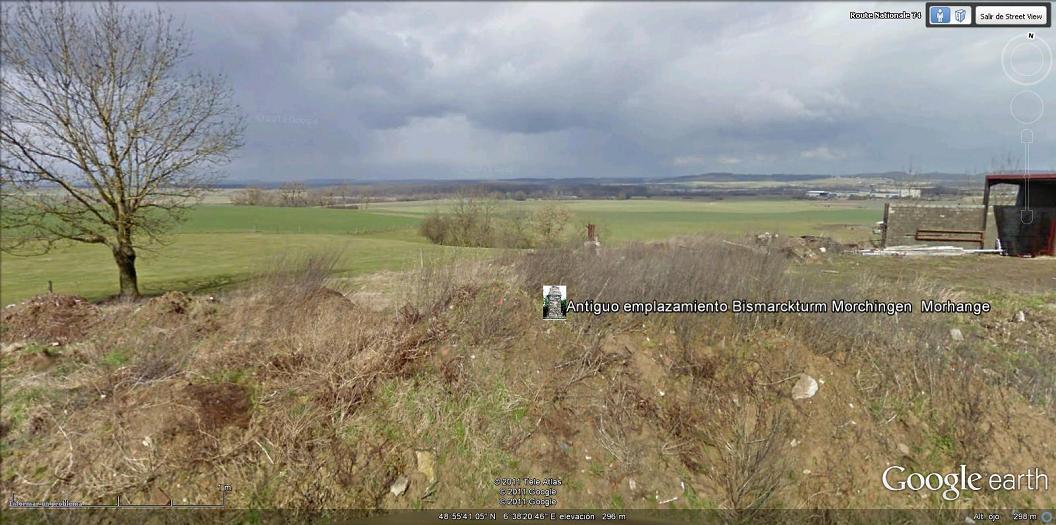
pixel 554 303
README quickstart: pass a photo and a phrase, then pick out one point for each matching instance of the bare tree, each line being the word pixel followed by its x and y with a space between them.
pixel 293 194
pixel 251 196
pixel 344 191
pixel 104 138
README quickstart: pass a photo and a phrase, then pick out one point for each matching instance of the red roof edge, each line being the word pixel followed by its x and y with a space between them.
pixel 1018 178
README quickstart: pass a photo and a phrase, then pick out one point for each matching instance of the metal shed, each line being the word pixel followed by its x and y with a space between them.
pixel 1029 226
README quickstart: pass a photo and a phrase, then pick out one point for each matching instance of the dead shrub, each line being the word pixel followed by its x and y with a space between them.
pixel 695 362
pixel 454 371
pixel 622 416
pixel 686 425
pixel 409 314
pixel 967 403
pixel 442 281
pixel 154 364
pixel 752 465
pixel 290 291
pixel 493 315
pixel 294 278
pixel 584 355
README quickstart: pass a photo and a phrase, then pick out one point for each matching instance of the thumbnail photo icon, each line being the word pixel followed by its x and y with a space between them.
pixel 555 302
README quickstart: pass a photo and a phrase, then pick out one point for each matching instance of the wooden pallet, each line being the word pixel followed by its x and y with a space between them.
pixel 972 236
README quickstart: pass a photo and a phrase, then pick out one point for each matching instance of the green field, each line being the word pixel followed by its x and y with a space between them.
pixel 250 219
pixel 221 244
pixel 623 220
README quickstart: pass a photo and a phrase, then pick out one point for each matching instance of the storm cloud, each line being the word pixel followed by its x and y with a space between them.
pixel 500 90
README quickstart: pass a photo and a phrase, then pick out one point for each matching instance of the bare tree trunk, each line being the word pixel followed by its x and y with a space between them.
pixel 125 256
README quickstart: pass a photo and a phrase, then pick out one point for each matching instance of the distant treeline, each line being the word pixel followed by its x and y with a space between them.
pixel 297 195
pixel 360 195
pixel 509 190
pixel 352 195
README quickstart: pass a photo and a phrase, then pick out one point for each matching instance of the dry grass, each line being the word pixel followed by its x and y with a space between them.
pixel 903 367
pixel 296 354
pixel 302 398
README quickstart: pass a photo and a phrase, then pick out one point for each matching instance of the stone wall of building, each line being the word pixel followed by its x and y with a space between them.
pixel 903 221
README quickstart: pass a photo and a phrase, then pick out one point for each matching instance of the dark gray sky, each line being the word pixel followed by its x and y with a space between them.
pixel 499 90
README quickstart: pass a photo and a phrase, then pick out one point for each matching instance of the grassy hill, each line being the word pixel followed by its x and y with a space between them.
pixel 443 378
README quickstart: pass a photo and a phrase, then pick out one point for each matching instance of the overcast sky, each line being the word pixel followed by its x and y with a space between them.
pixel 501 90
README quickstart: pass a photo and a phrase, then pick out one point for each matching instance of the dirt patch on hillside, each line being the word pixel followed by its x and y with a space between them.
pixel 221 405
pixel 172 303
pixel 175 309
pixel 328 298
pixel 48 319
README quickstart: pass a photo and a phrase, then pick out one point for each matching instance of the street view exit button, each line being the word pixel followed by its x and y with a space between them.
pixel 1013 15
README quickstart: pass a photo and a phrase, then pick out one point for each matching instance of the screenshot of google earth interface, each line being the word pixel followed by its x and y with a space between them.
pixel 418 262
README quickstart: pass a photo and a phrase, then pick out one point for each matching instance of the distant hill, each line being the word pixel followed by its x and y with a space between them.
pixel 796 177
pixel 565 182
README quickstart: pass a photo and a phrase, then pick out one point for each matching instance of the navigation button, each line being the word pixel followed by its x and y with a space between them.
pixel 939 14
pixel 1013 15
